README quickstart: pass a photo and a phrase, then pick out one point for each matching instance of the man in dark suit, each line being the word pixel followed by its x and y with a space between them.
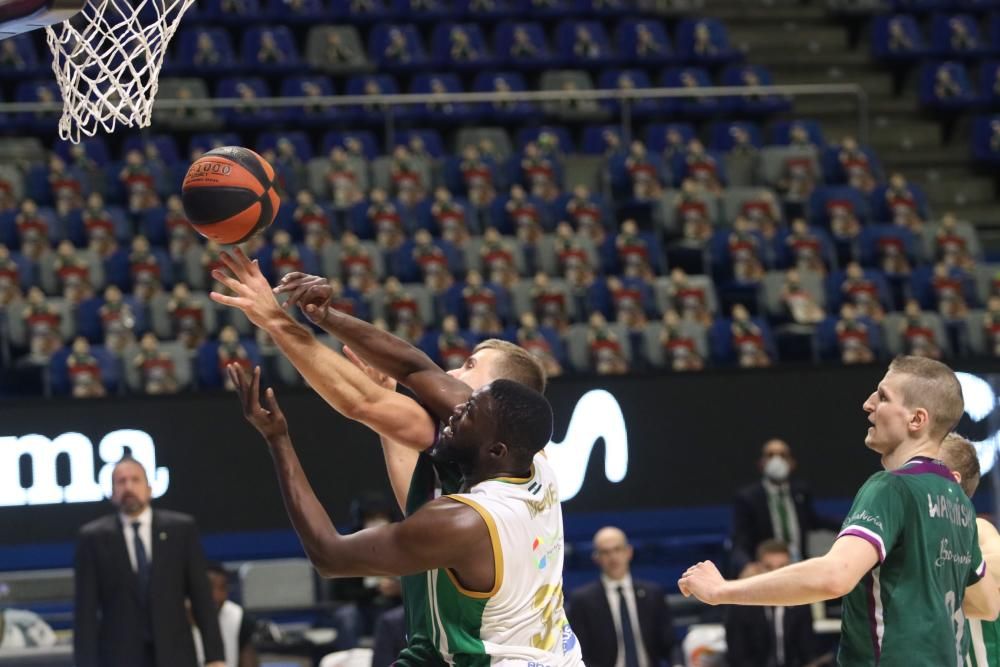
pixel 775 507
pixel 771 636
pixel 133 571
pixel 620 622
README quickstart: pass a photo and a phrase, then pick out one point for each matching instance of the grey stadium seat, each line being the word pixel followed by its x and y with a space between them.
pixel 894 339
pixel 772 160
pixel 472 136
pixel 50 280
pixel 964 229
pixel 665 210
pixel 976 334
pixel 316 42
pixel 581 80
pixel 17 328
pixel 420 294
pixel 662 291
pixel 654 350
pixel 473 260
pixel 331 261
pixel 985 273
pixel 521 296
pixel 178 353
pixel 162 323
pixel 12 175
pixel 579 350
pixel 287 583
pixel 198 117
pixel 734 198
pixel 773 283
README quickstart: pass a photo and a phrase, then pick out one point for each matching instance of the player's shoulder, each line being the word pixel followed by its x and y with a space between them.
pixel 99 526
pixel 169 517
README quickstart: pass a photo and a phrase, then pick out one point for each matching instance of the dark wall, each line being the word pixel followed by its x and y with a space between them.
pixel 693 439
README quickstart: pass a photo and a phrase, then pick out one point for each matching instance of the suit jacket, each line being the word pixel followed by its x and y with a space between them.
pixel 108 618
pixel 752 521
pixel 750 637
pixel 590 617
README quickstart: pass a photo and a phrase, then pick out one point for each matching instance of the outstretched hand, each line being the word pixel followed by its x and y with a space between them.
pixel 266 417
pixel 377 376
pixel 702 580
pixel 252 292
pixel 310 293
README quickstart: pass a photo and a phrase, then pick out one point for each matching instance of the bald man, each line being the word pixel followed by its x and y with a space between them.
pixel 777 506
pixel 620 622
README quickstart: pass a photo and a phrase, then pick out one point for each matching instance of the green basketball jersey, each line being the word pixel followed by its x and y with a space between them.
pixel 907 611
pixel 984 643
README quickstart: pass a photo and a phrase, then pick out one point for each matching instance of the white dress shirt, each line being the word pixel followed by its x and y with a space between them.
pixel 611 590
pixel 145 520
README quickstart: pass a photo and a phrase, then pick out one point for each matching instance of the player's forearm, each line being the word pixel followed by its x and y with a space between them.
pixel 312 524
pixel 332 376
pixel 813 580
pixel 389 354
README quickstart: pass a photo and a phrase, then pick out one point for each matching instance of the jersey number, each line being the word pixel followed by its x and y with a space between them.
pixel 548 599
pixel 958 618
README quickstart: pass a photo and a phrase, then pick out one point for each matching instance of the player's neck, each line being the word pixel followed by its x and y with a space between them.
pixel 906 451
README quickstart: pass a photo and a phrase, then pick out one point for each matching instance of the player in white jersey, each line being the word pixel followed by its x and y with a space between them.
pixel 492 553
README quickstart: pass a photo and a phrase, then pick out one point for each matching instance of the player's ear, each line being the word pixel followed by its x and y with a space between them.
pixel 919 419
pixel 499 450
pixel 958 477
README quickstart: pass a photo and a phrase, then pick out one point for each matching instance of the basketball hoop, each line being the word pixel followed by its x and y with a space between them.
pixel 107 62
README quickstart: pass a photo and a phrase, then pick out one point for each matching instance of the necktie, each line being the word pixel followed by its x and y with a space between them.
pixel 628 636
pixel 141 561
pixel 780 496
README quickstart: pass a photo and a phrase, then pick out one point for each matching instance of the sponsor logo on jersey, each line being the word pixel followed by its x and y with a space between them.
pixel 543 548
pixel 946 555
pixel 568 638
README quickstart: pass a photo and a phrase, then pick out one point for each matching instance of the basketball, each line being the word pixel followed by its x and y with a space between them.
pixel 229 194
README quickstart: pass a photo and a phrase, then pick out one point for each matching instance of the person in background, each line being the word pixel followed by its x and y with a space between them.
pixel 236 626
pixel 127 611
pixel 390 627
pixel 775 507
pixel 771 636
pixel 620 621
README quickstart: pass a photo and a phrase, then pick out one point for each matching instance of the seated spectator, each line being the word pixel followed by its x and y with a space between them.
pixel 748 340
pixel 643 173
pixel 157 371
pixel 285 257
pixel 692 212
pixel 892 256
pixel 481 305
pixel 902 204
pixel 960 37
pixel 844 223
pixel 680 350
pixel 237 626
pixel 700 166
pixel 918 336
pixel 205 52
pixel 742 159
pixel 356 264
pixel 585 47
pixel 607 357
pixel 991 326
pixel 805 248
pixel 43 322
pixel 948 286
pixel 336 52
pixel 745 252
pixel 144 269
pixel 452 347
pixel 900 40
pixel 84 371
pixel 65 185
pixel 385 218
pixel 10 278
pixel 117 321
pixel 98 225
pixel 777 506
pixel 853 337
pixel 539 173
pixel 478 177
pixel 402 310
pixel 313 221
pixel 690 300
pixel 862 293
pixel 10 57
pixel 763 210
pixel 497 257
pixel 524 215
pixel 627 299
pixel 390 627
pixel 73 273
pixel 549 304
pixel 450 217
pixel 704 45
pixel 460 47
pixel 634 254
pixel 640 631
pixel 181 236
pixel 269 52
pixel 582 209
pixel 800 304
pixel 409 176
pixel 397 50
pixel 771 635
pixel 231 351
pixel 432 262
pixel 799 177
pixel 950 245
pixel 139 183
pixel 529 335
pixel 646 44
pixel 856 165
pixel 521 46
pixel 574 251
pixel 32 230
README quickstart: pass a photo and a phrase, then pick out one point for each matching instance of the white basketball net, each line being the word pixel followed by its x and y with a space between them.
pixel 107 61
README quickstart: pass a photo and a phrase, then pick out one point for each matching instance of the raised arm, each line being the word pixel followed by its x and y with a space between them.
pixel 824 578
pixel 393 356
pixel 443 534
pixel 341 384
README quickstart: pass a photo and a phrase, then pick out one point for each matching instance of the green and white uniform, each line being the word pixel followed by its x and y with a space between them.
pixel 907 611
pixel 984 643
pixel 521 621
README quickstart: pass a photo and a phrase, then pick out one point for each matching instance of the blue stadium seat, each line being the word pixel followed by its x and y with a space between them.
pixel 77 233
pixel 165 145
pixel 207 368
pixel 594 140
pixel 643 42
pixel 488 82
pixel 829 344
pixel 431 138
pixel 945 86
pixel 95 148
pixel 691 78
pixel 601 7
pixel 897 38
pixel 254 48
pixel 563 137
pixel 507 49
pixel 350 12
pixel 922 284
pixel 444 53
pixel 231 12
pixel 986 139
pixel 369 144
pixel 720 340
pixel 303 146
pixel 410 10
pixel 410 53
pixel 438 82
pixel 921 5
pixel 956 36
pixel 544 8
pixel 721 134
pixel 656 135
pixel 569 48
pixel 383 84
pixel 756 104
pixel 207 141
pixel 874 237
pixel 714 48
pixel 59 377
pixel 781 132
pixel 628 79
pixel 188 58
pixel 823 196
pixel 38 91
pixel 989 83
pixel 299 11
pixel 248 116
pixel 304 87
pixel 880 206
pixel 500 9
pixel 21 58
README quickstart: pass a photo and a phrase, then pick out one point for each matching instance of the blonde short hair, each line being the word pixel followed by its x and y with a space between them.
pixel 516 363
pixel 934 387
pixel 958 454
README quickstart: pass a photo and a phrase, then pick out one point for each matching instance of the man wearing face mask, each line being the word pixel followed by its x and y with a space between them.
pixel 775 507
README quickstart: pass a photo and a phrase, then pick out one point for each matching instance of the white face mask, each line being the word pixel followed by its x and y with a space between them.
pixel 777 469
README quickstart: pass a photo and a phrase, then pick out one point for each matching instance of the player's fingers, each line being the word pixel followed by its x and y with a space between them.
pixel 227 280
pixel 355 359
pixel 272 402
pixel 234 301
pixel 235 379
pixel 295 296
pixel 232 264
pixel 255 390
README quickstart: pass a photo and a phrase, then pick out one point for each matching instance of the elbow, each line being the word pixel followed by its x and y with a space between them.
pixel 835 583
